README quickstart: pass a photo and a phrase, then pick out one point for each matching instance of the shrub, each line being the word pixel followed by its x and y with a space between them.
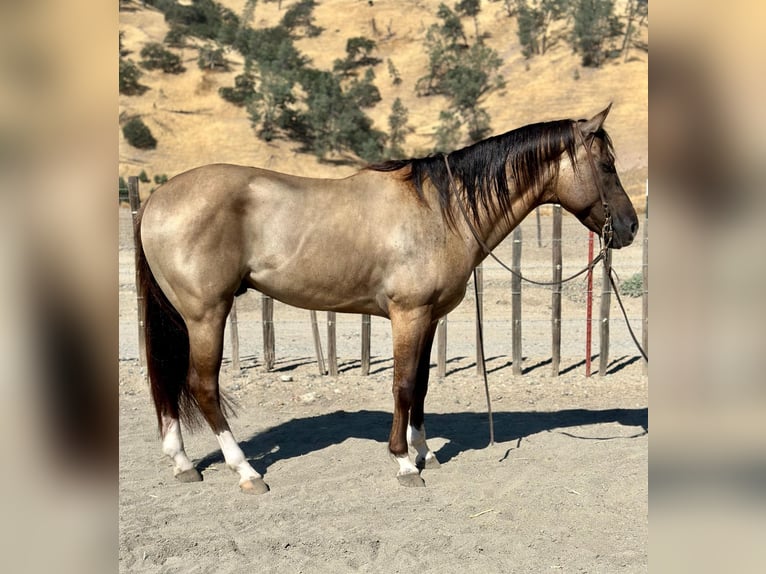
pixel 205 19
pixel 155 56
pixel 633 286
pixel 138 134
pixel 212 58
pixel 176 36
pixel 129 76
pixel 242 92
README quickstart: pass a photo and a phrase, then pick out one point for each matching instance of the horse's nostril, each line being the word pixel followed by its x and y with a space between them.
pixel 634 228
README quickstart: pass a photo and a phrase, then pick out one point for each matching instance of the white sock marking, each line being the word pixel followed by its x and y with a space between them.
pixel 405 465
pixel 416 438
pixel 173 445
pixel 235 458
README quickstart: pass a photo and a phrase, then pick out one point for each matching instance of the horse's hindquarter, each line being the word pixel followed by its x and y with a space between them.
pixel 192 236
pixel 350 245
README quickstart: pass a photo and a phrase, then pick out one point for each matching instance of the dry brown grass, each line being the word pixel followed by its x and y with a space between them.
pixel 195 126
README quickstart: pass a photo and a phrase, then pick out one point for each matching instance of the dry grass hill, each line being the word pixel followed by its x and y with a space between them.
pixel 195 126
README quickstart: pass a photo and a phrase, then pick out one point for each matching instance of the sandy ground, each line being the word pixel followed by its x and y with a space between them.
pixel 564 487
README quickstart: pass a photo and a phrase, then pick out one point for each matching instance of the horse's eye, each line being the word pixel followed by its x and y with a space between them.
pixel 608 168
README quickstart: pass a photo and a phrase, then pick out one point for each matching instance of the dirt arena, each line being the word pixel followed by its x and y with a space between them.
pixel 564 487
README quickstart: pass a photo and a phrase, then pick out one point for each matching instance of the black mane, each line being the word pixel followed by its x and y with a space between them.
pixel 480 169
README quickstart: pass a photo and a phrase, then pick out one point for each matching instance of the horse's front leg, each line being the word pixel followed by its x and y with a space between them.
pixel 416 431
pixel 412 333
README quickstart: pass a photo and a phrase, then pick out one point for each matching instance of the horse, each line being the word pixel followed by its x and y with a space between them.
pixel 398 240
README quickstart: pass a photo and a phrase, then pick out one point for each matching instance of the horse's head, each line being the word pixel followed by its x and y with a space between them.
pixel 583 191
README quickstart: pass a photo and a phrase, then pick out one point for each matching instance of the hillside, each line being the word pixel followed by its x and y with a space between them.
pixel 195 126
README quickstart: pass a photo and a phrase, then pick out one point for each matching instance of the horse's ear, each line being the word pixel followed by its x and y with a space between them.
pixel 591 126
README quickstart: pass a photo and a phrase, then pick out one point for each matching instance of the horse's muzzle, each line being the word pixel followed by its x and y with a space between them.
pixel 624 230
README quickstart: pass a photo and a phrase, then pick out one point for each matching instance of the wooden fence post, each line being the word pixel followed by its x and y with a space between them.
pixel 645 277
pixel 366 336
pixel 539 228
pixel 606 301
pixel 479 282
pixel 556 293
pixel 441 348
pixel 516 301
pixel 267 313
pixel 135 205
pixel 234 332
pixel 317 343
pixel 332 352
pixel 589 307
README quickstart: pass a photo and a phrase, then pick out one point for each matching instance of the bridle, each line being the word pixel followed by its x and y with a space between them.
pixel 607 231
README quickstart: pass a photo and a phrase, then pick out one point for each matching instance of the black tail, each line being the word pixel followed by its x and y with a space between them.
pixel 167 347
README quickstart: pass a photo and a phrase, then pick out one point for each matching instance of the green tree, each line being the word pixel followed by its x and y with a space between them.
pixel 637 14
pixel 594 24
pixel 205 19
pixel 471 80
pixel 448 132
pixel 470 8
pixel 451 28
pixel 463 74
pixel 270 107
pixel 301 15
pixel 358 54
pixel 393 73
pixel 286 97
pixel 398 129
pixel 332 122
pixel 443 48
pixel 535 18
pixel 363 91
pixel 270 47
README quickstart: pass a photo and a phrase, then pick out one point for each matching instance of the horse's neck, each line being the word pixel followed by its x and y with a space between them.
pixel 493 229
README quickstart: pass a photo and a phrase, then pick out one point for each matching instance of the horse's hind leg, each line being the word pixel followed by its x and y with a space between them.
pixel 206 351
pixel 416 431
pixel 173 446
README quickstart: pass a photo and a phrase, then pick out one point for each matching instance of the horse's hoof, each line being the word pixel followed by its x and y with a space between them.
pixel 191 475
pixel 254 486
pixel 427 463
pixel 411 479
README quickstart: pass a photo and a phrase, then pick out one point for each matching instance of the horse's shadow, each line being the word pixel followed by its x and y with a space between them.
pixel 463 431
